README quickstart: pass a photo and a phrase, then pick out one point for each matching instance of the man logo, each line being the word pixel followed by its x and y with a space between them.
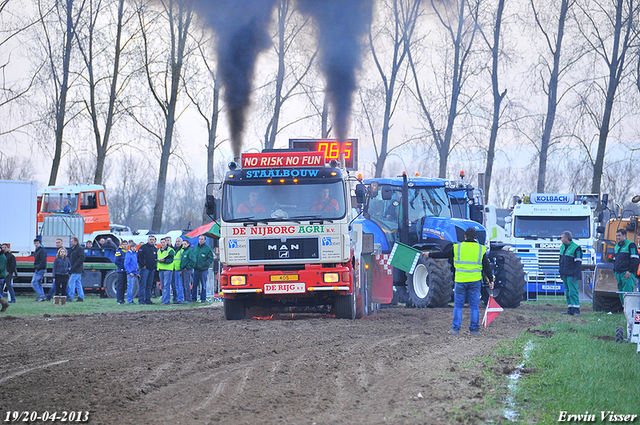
pixel 233 243
pixel 284 254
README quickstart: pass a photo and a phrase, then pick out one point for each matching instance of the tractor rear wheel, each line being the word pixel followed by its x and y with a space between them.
pixel 431 284
pixel 602 302
pixel 512 288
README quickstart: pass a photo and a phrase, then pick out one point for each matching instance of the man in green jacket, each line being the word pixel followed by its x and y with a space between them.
pixel 571 272
pixel 625 265
pixel 187 264
pixel 203 255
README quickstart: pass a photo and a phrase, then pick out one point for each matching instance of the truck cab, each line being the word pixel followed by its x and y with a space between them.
pixel 535 226
pixel 285 239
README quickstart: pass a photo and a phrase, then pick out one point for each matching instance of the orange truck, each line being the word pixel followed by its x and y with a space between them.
pixel 59 212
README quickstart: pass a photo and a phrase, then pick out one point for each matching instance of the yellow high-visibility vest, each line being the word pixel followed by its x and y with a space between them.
pixel 162 254
pixel 467 260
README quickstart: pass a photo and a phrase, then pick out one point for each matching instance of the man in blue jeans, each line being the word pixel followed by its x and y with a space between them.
pixel 470 263
pixel 39 267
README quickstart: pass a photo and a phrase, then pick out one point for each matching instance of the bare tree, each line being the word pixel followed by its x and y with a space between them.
pixel 460 22
pixel 14 168
pixel 494 47
pixel 205 96
pixel 104 104
pixel 610 33
pixel 12 92
pixel 67 15
pixel 165 85
pixel 132 197
pixel 290 72
pixel 555 70
pixel 397 22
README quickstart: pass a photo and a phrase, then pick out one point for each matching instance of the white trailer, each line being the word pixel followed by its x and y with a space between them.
pixel 18 224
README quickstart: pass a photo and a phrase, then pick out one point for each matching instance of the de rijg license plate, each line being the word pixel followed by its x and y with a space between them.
pixel 284 288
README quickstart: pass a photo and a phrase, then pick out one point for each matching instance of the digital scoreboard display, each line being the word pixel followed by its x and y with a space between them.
pixel 331 149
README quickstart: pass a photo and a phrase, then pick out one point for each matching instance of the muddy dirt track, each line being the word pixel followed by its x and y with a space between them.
pixel 190 366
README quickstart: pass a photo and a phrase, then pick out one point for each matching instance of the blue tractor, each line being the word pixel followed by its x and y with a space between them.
pixel 418 212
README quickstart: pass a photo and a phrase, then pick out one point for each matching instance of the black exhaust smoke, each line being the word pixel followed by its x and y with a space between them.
pixel 342 25
pixel 242 30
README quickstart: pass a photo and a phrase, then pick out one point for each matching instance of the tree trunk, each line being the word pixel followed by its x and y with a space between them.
pixel 615 71
pixel 497 100
pixel 552 100
pixel 61 105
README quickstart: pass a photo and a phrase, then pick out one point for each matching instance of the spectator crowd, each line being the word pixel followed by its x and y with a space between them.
pixel 182 270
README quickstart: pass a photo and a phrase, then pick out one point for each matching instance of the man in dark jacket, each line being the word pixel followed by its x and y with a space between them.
pixel 12 272
pixel 3 275
pixel 76 257
pixel 571 272
pixel 625 266
pixel 39 267
pixel 147 259
pixel 121 286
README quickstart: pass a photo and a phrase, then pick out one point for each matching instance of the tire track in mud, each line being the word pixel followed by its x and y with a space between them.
pixel 194 367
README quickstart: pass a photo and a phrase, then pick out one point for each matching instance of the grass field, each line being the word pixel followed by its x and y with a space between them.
pixel 575 366
pixel 26 306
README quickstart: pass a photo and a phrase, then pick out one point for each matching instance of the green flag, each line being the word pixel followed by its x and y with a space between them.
pixel 404 257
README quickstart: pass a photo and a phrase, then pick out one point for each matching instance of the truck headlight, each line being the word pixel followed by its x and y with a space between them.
pixel 238 280
pixel 331 278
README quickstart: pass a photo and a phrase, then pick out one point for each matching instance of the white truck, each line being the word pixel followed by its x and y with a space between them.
pixel 534 229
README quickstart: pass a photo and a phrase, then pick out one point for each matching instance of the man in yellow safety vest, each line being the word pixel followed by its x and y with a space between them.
pixel 470 263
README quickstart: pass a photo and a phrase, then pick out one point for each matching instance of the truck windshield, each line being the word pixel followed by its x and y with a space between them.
pixel 59 203
pixel 278 202
pixel 551 227
pixel 423 202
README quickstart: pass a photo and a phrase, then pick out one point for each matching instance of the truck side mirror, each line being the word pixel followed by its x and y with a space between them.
pixel 210 205
pixel 387 193
pixel 361 193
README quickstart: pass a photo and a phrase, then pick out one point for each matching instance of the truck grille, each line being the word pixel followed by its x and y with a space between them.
pixel 283 249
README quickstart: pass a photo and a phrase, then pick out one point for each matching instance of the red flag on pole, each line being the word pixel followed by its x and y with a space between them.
pixel 491 312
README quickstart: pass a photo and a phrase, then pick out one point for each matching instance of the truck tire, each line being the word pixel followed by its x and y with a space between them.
pixel 345 306
pixel 431 284
pixel 513 289
pixel 234 309
pixel 110 281
pixel 604 302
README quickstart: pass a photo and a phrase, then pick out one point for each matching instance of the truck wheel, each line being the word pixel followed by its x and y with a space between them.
pixel 234 309
pixel 431 284
pixel 511 290
pixel 602 302
pixel 362 302
pixel 345 306
pixel 110 282
pixel 619 334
